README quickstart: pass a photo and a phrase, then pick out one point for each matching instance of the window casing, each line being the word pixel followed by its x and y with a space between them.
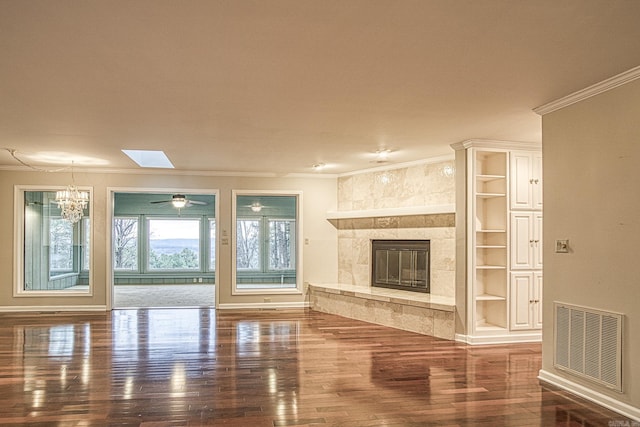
pixel 53 256
pixel 265 242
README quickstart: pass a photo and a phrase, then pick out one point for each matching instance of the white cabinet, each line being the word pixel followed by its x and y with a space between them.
pixel 526 240
pixel 526 180
pixel 526 301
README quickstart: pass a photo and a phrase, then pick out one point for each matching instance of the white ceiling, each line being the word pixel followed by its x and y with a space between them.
pixel 278 85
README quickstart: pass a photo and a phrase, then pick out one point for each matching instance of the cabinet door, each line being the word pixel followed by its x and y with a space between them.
pixel 522 242
pixel 537 298
pixel 537 240
pixel 521 298
pixel 521 177
pixel 537 181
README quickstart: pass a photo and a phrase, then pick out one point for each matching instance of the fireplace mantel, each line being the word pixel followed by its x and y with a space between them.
pixel 392 212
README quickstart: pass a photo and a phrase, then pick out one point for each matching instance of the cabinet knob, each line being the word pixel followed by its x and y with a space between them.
pixel 532 301
pixel 531 181
pixel 535 181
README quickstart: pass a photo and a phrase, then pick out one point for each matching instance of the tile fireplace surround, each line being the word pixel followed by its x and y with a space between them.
pixel 394 204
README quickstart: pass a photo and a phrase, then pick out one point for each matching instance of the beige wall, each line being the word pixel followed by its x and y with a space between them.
pixel 319 255
pixel 425 184
pixel 591 197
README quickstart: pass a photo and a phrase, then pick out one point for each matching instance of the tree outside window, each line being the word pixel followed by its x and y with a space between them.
pixel 281 244
pixel 248 244
pixel 125 243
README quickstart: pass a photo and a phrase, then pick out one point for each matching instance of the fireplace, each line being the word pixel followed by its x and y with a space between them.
pixel 400 264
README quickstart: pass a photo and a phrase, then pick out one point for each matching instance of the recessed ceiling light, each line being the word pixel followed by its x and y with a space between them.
pixel 382 156
pixel 149 158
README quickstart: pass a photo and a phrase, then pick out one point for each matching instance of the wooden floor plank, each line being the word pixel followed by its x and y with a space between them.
pixel 177 367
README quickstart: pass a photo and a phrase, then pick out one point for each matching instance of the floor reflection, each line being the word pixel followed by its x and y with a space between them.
pixel 297 367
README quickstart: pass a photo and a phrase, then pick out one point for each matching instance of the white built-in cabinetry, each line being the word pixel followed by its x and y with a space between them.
pixel 526 301
pixel 525 172
pixel 503 235
pixel 526 240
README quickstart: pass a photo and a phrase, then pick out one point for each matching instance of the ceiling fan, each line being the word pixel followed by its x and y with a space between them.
pixel 180 201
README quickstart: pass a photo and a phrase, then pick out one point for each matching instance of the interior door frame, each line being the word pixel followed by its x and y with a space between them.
pixel 111 191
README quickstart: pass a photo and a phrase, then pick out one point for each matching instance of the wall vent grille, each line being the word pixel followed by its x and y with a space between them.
pixel 588 344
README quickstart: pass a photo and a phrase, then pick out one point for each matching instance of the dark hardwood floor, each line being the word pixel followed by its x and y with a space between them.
pixel 175 367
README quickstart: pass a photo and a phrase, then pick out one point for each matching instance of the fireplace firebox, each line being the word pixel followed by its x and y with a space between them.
pixel 401 264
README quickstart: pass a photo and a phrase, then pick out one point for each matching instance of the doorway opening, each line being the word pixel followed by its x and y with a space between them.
pixel 163 249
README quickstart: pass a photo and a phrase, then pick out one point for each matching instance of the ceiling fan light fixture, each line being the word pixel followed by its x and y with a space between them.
pixel 256 207
pixel 179 201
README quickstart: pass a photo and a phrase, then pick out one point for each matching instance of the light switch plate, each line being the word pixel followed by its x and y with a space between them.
pixel 562 246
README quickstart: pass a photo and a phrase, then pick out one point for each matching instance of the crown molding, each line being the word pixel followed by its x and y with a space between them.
pixel 392 166
pixel 588 92
pixel 495 143
pixel 174 172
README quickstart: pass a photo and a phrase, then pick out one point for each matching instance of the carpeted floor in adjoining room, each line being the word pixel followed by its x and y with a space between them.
pixel 128 296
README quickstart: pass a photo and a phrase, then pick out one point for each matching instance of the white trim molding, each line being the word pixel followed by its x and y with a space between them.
pixel 590 394
pixel 393 166
pixel 262 306
pixel 588 92
pixel 495 143
pixel 499 339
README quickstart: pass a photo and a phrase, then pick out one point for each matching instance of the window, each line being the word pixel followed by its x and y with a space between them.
pixel 212 244
pixel 54 253
pixel 125 243
pixel 265 242
pixel 248 244
pixel 86 247
pixel 174 244
pixel 282 244
pixel 60 246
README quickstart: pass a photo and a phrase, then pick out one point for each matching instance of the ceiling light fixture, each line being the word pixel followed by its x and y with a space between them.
pixel 318 167
pixel 256 207
pixel 382 156
pixel 178 201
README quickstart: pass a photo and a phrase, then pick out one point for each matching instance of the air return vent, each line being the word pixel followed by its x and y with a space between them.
pixel 589 344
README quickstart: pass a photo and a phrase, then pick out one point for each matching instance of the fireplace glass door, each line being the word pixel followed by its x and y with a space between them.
pixel 401 264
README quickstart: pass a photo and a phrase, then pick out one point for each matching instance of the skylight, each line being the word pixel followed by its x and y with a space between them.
pixel 149 158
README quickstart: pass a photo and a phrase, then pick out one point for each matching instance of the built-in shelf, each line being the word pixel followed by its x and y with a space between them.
pixel 491 231
pixel 491 246
pixel 488 178
pixel 388 212
pixel 491 267
pixel 490 195
pixel 488 297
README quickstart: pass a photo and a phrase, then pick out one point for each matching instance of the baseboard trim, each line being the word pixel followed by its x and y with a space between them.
pixel 498 339
pixel 261 305
pixel 51 308
pixel 591 395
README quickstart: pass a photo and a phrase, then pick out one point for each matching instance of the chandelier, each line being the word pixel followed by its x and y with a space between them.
pixel 72 203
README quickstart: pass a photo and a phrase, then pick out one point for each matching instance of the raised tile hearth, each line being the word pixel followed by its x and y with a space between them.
pixel 422 313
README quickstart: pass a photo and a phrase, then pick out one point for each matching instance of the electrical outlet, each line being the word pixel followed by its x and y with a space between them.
pixel 562 246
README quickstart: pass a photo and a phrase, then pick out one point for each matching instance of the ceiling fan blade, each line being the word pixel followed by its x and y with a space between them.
pixel 196 202
pixel 160 201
